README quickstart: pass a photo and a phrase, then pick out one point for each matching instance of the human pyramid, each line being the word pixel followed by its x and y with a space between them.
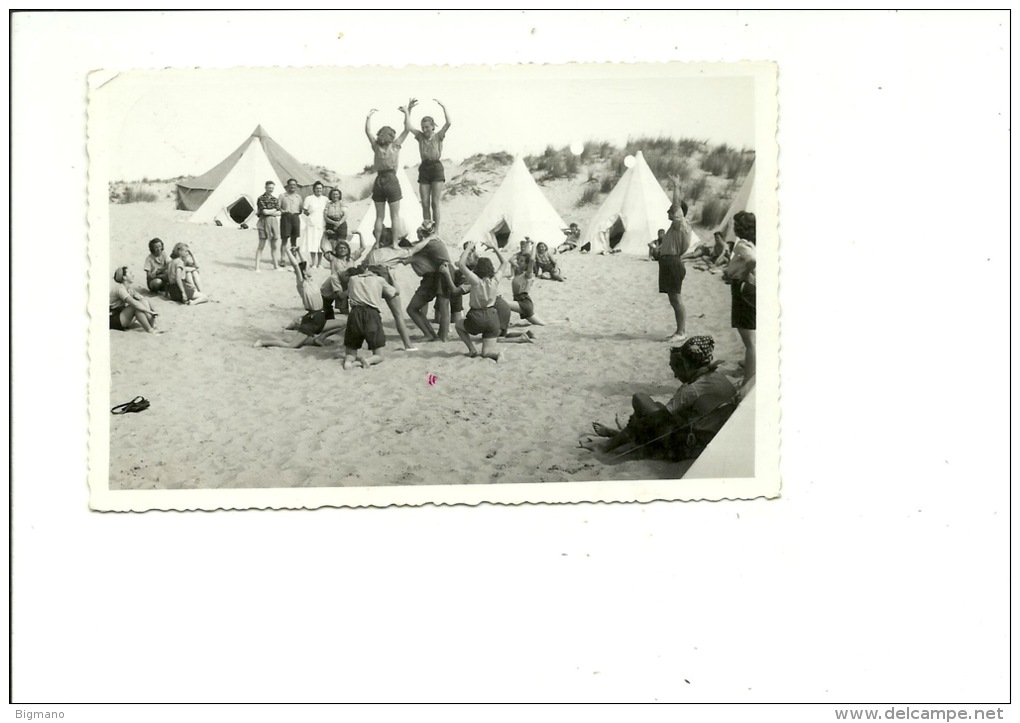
pixel 360 284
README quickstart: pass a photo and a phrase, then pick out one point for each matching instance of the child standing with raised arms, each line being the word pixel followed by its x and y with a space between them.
pixel 386 190
pixel 431 176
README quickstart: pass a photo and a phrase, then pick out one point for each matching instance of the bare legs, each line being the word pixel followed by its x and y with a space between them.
pixel 750 359
pixel 351 358
pixel 398 319
pixel 680 312
pixel 430 194
pixel 147 320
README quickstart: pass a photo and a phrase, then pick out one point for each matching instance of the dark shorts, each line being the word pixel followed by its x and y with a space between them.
pixel 290 227
pixel 426 291
pixel 742 313
pixel 268 228
pixel 503 312
pixel 313 323
pixel 115 320
pixel 337 232
pixel 671 274
pixel 364 324
pixel 163 281
pixel 482 321
pixel 431 172
pixel 526 304
pixel 174 291
pixel 386 188
pixel 456 303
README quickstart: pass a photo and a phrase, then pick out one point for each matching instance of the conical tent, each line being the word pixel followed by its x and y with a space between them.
pixel 517 209
pixel 410 211
pixel 227 193
pixel 632 214
pixel 744 201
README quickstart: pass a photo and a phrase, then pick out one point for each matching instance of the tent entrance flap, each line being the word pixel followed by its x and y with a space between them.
pixel 502 233
pixel 240 210
pixel 616 233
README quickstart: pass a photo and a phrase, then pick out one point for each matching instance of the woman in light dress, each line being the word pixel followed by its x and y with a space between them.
pixel 313 225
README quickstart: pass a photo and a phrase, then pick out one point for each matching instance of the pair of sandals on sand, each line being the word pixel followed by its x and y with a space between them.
pixel 138 404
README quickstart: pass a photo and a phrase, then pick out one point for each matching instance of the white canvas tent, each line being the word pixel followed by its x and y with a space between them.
pixel 517 209
pixel 227 193
pixel 410 211
pixel 632 214
pixel 744 201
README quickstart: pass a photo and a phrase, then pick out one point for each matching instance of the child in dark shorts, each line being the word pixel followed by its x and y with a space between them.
pixel 524 277
pixel 430 173
pixel 386 189
pixel 482 317
pixel 546 264
pixel 314 322
pixel 367 291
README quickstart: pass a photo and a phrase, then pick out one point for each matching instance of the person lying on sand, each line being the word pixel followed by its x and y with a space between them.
pixel 683 426
pixel 711 256
pixel 314 322
pixel 366 290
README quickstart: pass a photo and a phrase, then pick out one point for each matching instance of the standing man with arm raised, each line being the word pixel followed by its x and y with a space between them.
pixel 675 243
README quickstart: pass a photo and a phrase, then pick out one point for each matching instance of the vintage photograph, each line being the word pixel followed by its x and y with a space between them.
pixel 373 286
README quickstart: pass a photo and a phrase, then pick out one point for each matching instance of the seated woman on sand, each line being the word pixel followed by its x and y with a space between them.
pixel 184 282
pixel 683 427
pixel 157 267
pixel 546 264
pixel 314 322
pixel 127 305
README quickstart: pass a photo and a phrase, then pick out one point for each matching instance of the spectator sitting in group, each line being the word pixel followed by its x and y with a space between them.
pixel 157 267
pixel 128 306
pixel 710 258
pixel 546 264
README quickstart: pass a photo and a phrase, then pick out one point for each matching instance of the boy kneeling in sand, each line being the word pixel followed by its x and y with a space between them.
pixel 367 292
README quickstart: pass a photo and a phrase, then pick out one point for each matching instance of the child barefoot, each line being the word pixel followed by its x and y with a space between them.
pixel 524 277
pixel 430 173
pixel 367 291
pixel 482 317
pixel 314 321
pixel 386 190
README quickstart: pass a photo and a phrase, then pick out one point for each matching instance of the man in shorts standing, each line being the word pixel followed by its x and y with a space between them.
pixel 290 218
pixel 268 209
pixel 675 243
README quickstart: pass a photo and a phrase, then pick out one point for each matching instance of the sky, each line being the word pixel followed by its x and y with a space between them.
pixel 177 122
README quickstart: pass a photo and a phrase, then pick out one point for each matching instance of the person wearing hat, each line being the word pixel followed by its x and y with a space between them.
pixel 675 244
pixel 127 305
pixel 684 425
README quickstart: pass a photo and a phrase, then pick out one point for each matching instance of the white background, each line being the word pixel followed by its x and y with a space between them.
pixel 881 575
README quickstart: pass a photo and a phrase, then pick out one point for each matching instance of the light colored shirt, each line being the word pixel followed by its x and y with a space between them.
pixel 367 289
pixel 484 292
pixel 431 148
pixel 677 239
pixel 290 203
pixel 743 262
pixel 386 157
pixel 119 296
pixel 315 205
pixel 310 295
pixel 156 264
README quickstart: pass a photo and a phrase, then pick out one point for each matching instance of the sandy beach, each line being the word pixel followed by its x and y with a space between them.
pixel 226 415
